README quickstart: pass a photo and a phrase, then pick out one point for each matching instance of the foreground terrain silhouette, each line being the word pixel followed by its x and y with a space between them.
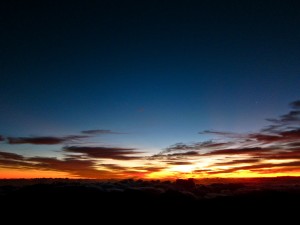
pixel 154 198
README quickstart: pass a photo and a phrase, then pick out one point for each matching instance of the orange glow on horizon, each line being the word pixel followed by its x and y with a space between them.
pixel 29 174
pixel 164 174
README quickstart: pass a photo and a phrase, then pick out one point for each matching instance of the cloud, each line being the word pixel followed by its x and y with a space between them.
pixel 292 116
pixel 174 155
pixel 80 168
pixel 278 141
pixel 294 144
pixel 237 161
pixel 285 121
pixel 81 161
pixel 283 136
pixel 295 104
pixel 53 140
pixel 274 148
pixel 9 155
pixel 181 148
pixel 221 133
pixel 284 154
pixel 76 167
pixel 47 140
pixel 178 163
pixel 99 132
pixel 154 168
pixel 258 166
pixel 289 169
pixel 13 160
pixel 113 166
pixel 149 168
pixel 256 155
pixel 105 152
pixel 237 151
pixel 9 163
pixel 189 153
pixel 265 137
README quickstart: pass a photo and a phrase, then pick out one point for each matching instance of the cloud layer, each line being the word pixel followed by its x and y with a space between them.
pixel 104 152
pixel 54 140
pixel 274 150
pixel 43 140
pixel 99 132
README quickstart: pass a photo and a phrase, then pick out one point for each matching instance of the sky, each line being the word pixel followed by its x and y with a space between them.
pixel 149 89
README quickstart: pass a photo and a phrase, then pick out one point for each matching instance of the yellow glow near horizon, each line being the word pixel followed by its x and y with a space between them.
pixel 184 173
pixel 182 168
pixel 208 167
pixel 167 174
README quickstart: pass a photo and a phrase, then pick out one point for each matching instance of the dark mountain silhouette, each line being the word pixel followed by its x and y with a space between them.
pixel 227 198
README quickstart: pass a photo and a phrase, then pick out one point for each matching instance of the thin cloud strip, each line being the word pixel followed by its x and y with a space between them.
pixel 105 152
pixel 261 166
pixel 99 132
pixel 45 140
pixel 54 140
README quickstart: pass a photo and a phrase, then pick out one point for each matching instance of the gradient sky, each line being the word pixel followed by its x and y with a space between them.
pixel 108 89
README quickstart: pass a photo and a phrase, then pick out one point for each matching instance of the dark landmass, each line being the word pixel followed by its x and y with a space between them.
pixel 227 197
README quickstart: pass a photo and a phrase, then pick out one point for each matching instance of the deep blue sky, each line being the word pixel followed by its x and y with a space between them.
pixel 160 71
